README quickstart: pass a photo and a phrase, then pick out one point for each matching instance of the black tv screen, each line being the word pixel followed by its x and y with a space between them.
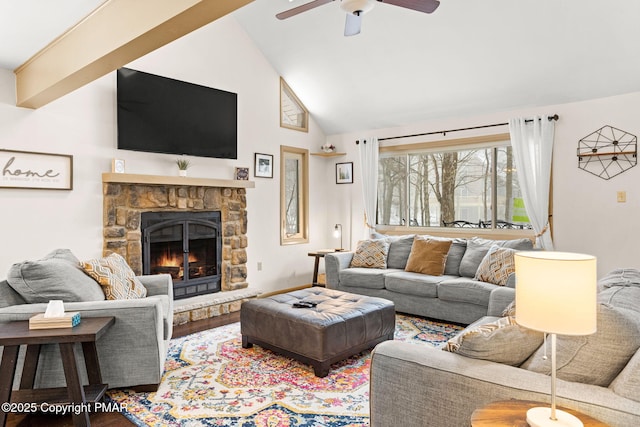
pixel 162 115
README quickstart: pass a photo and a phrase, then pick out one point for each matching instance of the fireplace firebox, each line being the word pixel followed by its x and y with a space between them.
pixel 186 245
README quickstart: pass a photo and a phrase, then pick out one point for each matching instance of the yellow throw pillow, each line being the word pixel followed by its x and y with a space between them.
pixel 428 256
pixel 496 266
pixel 371 254
pixel 115 276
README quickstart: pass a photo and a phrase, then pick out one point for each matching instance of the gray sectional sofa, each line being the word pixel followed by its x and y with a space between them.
pixel 454 296
pixel 435 388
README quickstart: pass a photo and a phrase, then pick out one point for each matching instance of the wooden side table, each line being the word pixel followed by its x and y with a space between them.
pixel 513 413
pixel 319 254
pixel 15 334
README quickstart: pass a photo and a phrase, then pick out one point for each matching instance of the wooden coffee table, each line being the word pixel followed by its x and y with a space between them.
pixel 513 413
pixel 15 334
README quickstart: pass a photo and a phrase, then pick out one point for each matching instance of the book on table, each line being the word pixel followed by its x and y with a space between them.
pixel 67 320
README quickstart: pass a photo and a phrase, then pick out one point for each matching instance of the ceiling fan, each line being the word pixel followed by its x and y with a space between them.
pixel 356 8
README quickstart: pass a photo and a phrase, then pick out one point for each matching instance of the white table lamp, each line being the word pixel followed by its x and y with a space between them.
pixel 555 294
pixel 337 232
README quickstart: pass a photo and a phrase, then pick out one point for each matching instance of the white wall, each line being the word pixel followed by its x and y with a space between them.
pixel 587 217
pixel 83 123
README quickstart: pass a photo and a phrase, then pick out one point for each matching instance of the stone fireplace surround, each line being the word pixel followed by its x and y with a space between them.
pixel 126 196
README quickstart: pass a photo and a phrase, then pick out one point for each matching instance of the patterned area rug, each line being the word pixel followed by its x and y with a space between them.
pixel 210 380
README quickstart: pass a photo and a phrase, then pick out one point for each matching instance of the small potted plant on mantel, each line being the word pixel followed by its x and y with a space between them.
pixel 183 165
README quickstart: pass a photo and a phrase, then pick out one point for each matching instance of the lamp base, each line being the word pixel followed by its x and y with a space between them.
pixel 541 417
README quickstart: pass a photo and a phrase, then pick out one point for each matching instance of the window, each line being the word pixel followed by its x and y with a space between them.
pixel 294 195
pixel 293 115
pixel 473 185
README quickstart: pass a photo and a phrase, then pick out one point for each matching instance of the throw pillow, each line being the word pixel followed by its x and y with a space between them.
pixel 500 341
pixel 598 358
pixel 115 276
pixel 477 248
pixel 371 254
pixel 57 276
pixel 496 266
pixel 454 257
pixel 399 250
pixel 428 256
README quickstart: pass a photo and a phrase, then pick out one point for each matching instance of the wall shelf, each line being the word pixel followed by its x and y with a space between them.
pixel 332 154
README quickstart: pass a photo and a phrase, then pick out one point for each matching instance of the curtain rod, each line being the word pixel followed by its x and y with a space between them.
pixel 444 132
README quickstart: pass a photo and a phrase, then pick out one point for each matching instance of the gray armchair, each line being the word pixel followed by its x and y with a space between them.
pixel 131 353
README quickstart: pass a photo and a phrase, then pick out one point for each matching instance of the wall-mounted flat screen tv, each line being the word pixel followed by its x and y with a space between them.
pixel 162 115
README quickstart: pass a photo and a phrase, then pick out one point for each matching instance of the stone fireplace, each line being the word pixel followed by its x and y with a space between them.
pixel 126 197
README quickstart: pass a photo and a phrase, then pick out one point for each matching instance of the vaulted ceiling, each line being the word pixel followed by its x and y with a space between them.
pixel 466 58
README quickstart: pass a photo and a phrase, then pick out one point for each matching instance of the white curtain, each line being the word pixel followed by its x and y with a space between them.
pixel 532 142
pixel 368 149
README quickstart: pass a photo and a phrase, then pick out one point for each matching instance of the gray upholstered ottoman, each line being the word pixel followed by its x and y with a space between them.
pixel 339 326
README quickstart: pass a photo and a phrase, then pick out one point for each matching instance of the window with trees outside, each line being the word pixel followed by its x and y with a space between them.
pixel 472 186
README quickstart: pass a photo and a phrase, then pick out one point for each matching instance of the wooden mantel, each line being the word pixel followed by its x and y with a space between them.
pixel 129 178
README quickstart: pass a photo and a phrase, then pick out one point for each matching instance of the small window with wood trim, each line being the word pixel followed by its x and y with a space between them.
pixel 293 114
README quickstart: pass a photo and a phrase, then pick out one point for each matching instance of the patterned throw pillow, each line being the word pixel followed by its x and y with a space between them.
pixel 371 254
pixel 115 276
pixel 500 341
pixel 496 266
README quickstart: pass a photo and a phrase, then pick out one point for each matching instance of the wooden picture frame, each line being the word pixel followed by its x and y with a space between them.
pixel 263 167
pixel 344 173
pixel 35 171
pixel 242 174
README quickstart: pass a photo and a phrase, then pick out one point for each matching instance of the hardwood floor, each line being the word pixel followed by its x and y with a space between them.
pixel 114 419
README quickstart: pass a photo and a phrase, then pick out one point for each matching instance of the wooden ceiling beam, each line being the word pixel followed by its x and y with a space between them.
pixel 113 35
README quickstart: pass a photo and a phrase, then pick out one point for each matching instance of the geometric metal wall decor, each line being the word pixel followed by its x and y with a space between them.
pixel 607 152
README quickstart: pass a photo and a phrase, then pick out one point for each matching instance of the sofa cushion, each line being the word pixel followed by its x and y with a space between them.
pixel 477 248
pixel 428 256
pixel 8 295
pixel 625 294
pixel 409 283
pixel 372 278
pixel 462 289
pixel 115 276
pixel 501 341
pixel 371 254
pixel 399 250
pixel 57 276
pixel 598 358
pixel 496 266
pixel 627 383
pixel 454 257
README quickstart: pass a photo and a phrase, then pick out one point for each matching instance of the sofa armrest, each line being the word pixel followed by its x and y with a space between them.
pixel 333 263
pixel 431 387
pixel 499 299
pixel 158 284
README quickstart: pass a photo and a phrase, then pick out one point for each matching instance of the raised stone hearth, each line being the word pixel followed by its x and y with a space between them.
pixel 212 305
pixel 126 196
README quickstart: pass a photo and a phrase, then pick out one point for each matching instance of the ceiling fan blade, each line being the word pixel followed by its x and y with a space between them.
pixel 353 24
pixel 303 8
pixel 426 6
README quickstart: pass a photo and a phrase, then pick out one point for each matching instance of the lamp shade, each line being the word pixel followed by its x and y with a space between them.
pixel 556 292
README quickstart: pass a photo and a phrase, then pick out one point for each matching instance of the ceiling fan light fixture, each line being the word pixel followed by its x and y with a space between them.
pixel 360 6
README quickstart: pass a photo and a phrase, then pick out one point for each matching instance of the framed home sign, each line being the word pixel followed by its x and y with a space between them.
pixel 31 170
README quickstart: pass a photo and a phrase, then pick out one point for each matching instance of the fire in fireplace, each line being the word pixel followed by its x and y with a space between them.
pixel 186 245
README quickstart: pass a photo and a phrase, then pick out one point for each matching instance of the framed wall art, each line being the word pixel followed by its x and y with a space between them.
pixel 38 171
pixel 242 174
pixel 344 173
pixel 263 167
